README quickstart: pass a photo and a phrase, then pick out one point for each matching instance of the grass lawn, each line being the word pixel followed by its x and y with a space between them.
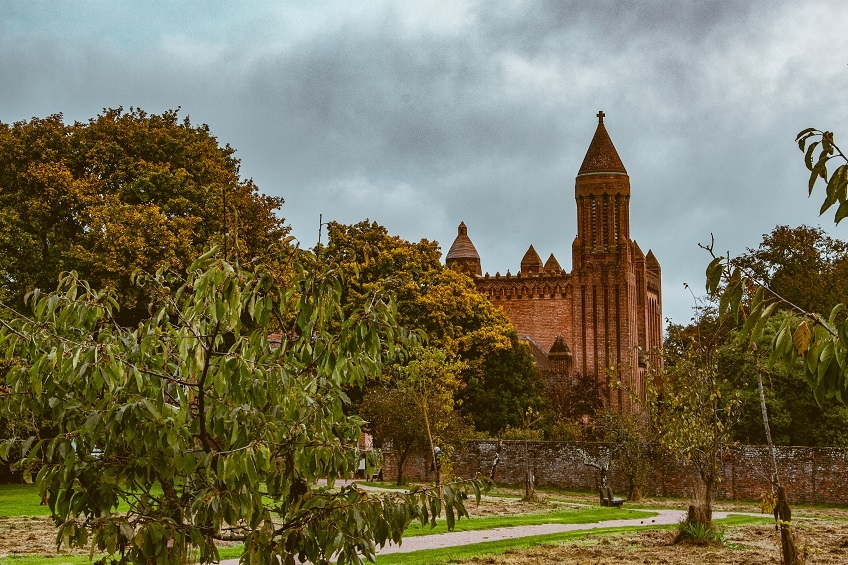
pixel 23 500
pixel 225 552
pixel 586 515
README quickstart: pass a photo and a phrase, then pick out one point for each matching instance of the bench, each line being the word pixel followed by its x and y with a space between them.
pixel 607 499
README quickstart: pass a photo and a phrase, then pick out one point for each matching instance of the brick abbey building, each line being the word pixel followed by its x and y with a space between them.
pixel 605 316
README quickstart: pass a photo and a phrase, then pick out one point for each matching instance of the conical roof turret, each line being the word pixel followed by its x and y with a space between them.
pixel 531 263
pixel 552 265
pixel 601 156
pixel 559 348
pixel 462 247
pixel 462 255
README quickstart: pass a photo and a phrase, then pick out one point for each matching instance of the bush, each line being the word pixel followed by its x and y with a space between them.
pixel 698 534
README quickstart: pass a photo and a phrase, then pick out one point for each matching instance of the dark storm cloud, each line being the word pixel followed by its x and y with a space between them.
pixel 419 119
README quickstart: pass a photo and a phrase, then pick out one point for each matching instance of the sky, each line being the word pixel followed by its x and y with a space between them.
pixel 421 114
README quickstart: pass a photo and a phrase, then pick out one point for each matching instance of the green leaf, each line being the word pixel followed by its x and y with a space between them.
pixel 834 314
pixel 841 212
pixel 714 271
pixel 808 156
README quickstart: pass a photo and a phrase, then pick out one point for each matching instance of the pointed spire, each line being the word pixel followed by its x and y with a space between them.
pixel 560 359
pixel 559 348
pixel 601 156
pixel 552 265
pixel 637 252
pixel 651 262
pixel 531 263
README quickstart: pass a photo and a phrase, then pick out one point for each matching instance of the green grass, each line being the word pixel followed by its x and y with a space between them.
pixel 225 553
pixel 433 556
pixel 586 515
pixel 21 500
pixel 452 554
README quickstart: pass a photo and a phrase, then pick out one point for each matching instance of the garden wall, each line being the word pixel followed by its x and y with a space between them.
pixel 810 474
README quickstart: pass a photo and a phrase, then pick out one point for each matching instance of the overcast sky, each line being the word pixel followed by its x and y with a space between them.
pixel 422 114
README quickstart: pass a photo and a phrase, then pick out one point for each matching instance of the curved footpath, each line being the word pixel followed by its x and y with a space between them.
pixel 454 539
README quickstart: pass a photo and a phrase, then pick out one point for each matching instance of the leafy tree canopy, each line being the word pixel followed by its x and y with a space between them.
pixel 201 424
pixel 820 339
pixel 497 377
pixel 121 192
pixel 803 265
pixel 795 418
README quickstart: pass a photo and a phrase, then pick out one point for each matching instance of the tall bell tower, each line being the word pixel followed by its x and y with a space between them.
pixel 606 345
pixel 603 319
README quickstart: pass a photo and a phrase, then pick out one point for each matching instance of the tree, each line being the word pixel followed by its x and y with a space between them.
pixel 415 410
pixel 804 265
pixel 205 427
pixel 819 339
pixel 122 192
pixel 572 404
pixel 392 418
pixel 496 371
pixel 631 446
pixel 694 419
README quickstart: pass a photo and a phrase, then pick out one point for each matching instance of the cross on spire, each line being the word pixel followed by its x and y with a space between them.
pixel 601 117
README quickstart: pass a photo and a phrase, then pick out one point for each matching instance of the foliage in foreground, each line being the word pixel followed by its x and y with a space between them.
pixel 204 426
pixel 819 339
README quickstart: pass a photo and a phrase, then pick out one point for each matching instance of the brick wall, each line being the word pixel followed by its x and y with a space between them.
pixel 818 475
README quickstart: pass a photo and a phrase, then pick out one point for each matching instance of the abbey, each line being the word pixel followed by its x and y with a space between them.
pixel 604 317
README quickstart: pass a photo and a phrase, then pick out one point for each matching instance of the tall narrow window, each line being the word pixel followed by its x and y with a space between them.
pixel 615 221
pixel 594 222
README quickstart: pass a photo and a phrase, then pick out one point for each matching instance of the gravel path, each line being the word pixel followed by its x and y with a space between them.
pixel 454 539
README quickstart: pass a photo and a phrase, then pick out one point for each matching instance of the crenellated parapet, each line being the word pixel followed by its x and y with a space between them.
pixel 541 285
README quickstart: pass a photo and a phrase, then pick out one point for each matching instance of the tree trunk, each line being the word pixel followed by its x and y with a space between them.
pixel 697 515
pixel 702 512
pixel 400 464
pixel 783 514
pixel 634 493
pixel 529 479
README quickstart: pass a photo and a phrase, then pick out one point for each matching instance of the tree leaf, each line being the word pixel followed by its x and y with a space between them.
pixel 801 338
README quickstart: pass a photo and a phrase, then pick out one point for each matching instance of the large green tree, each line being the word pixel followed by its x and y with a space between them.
pixel 203 426
pixel 498 380
pixel 804 265
pixel 795 418
pixel 819 339
pixel 692 417
pixel 124 191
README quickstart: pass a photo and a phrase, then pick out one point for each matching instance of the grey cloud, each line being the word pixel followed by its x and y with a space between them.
pixel 486 122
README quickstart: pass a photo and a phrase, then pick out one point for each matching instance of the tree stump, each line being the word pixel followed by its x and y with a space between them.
pixel 698 515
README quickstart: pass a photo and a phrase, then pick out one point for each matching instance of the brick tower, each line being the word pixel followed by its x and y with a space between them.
pixel 607 313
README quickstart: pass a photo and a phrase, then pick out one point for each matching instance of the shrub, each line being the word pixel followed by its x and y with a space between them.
pixel 698 534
